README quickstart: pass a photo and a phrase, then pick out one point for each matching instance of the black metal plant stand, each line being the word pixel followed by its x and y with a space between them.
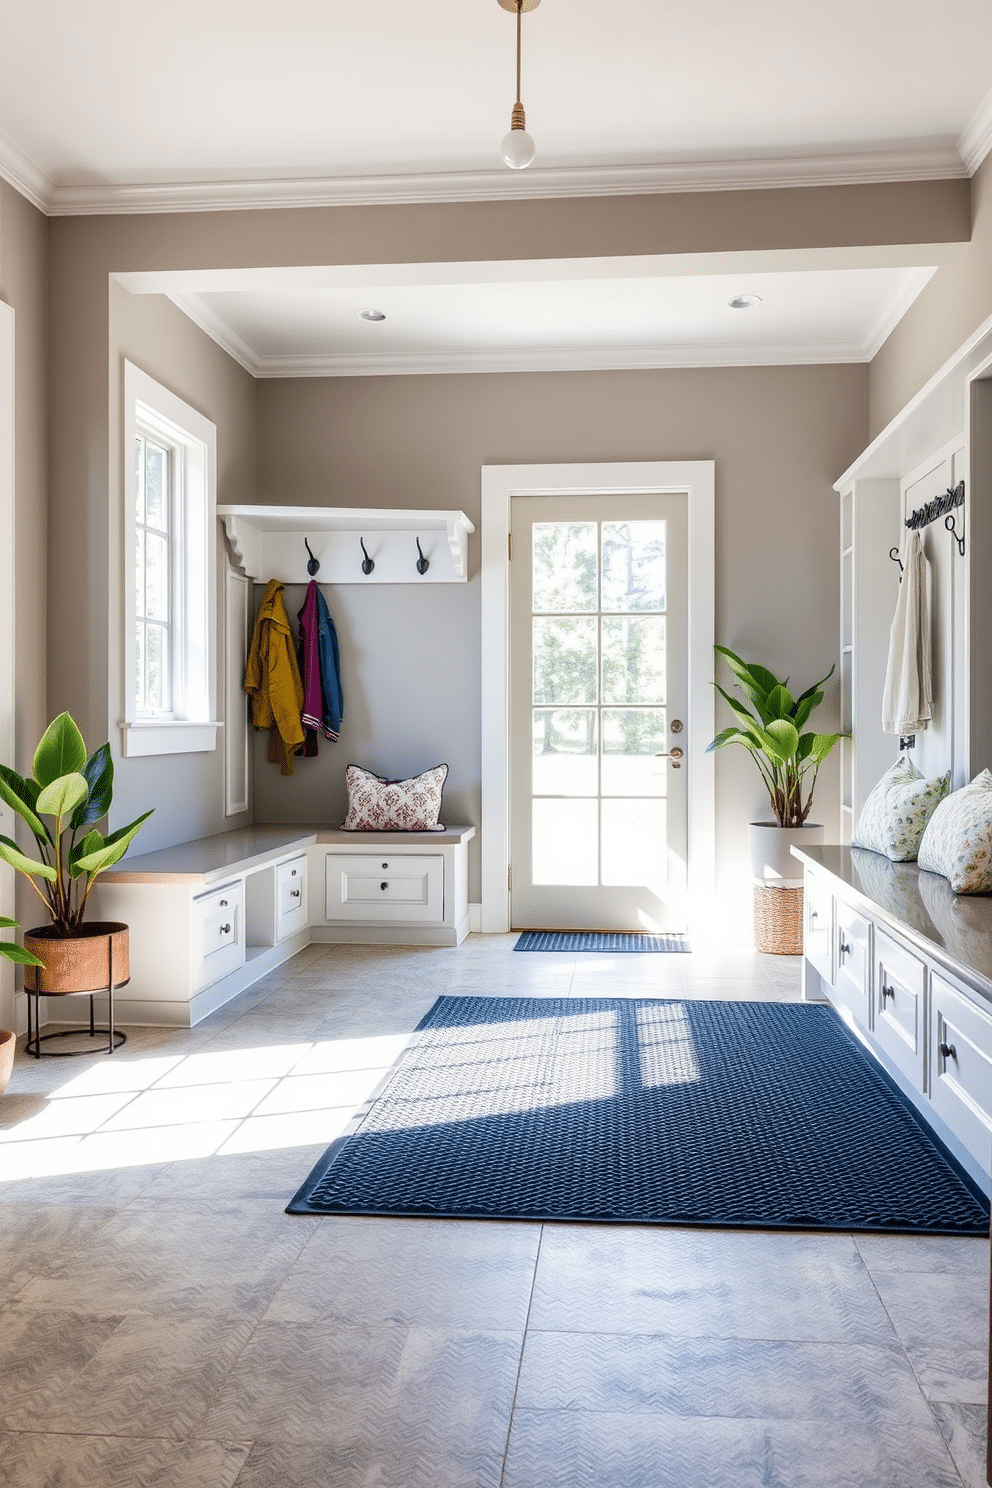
pixel 36 1038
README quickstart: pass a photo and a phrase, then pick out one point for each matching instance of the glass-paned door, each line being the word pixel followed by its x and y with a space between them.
pixel 598 687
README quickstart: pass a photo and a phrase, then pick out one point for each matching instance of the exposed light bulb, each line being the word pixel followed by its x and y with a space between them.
pixel 517 149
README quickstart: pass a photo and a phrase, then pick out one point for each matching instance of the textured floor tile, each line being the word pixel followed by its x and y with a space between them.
pixel 434 1273
pixel 153 1376
pixel 214 1065
pixel 320 1092
pixel 163 1258
pixel 959 1255
pixel 706 1283
pixel 110 1186
pixel 578 1449
pixel 294 1130
pixel 191 1105
pixel 42 1353
pixel 28 1460
pixel 439 1419
pixel 964 1428
pixel 266 1176
pixel 333 1055
pixel 29 1233
pixel 861 1386
pixel 307 1383
pixel 943 1324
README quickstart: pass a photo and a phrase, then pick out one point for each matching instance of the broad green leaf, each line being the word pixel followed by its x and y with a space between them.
pixel 753 677
pixel 6 924
pixel 816 687
pixel 114 848
pixel 781 739
pixel 61 752
pixel 779 702
pixel 91 843
pixel 822 745
pixel 98 772
pixel 19 795
pixel 739 708
pixel 731 736
pixel 805 746
pixel 803 709
pixel 11 853
pixel 17 953
pixel 63 795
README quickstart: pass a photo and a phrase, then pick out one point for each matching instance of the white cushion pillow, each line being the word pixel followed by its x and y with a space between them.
pixel 958 838
pixel 895 815
pixel 378 805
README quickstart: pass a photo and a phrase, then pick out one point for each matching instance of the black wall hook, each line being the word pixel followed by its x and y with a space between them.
pixel 367 564
pixel 313 563
pixel 894 555
pixel 423 564
pixel 949 524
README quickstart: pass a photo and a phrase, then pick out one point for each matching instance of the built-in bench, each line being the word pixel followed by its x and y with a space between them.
pixel 208 918
pixel 908 964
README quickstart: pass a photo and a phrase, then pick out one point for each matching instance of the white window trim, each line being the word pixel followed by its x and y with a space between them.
pixel 192 727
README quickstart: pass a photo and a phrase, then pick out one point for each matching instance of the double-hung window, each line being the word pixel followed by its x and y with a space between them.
pixel 169 553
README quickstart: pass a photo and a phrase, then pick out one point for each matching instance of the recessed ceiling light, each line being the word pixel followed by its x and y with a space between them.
pixel 370 315
pixel 744 302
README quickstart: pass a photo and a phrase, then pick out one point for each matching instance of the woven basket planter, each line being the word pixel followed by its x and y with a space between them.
pixel 778 921
pixel 79 963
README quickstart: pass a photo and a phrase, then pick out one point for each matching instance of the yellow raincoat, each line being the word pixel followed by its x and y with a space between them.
pixel 273 682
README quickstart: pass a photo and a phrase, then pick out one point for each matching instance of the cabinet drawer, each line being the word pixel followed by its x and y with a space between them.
pixel 291 897
pixel 961 1067
pixel 385 887
pixel 218 933
pixel 852 936
pixel 900 982
pixel 817 931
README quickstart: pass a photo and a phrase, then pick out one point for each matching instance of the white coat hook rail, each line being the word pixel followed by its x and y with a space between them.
pixel 354 545
pixel 941 506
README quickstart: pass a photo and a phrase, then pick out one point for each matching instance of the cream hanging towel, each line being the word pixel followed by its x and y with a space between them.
pixel 907 697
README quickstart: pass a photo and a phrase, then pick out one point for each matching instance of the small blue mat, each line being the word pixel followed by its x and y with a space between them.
pixel 767 1115
pixel 600 940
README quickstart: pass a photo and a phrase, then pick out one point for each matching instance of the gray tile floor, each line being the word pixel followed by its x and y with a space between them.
pixel 165 1322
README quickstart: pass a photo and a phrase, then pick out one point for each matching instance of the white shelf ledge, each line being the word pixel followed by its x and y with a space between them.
pixel 267 542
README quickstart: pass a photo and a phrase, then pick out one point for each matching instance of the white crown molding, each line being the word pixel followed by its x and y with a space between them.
pixel 571 359
pixel 25 176
pixel 911 283
pixel 976 140
pixel 926 162
pixel 201 313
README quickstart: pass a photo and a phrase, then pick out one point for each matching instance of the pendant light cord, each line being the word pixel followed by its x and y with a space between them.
pixel 520 4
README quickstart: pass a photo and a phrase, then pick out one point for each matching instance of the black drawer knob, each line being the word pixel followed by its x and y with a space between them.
pixel 888 992
pixel 844 949
pixel 385 865
pixel 948 1051
pixel 225 929
pixel 384 886
pixel 294 893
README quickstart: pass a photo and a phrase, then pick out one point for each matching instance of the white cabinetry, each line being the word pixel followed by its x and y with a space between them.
pixel 209 918
pixel 911 973
pixel 869 527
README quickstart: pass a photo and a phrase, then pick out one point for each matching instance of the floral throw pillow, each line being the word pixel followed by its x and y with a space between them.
pixel 378 805
pixel 895 815
pixel 958 839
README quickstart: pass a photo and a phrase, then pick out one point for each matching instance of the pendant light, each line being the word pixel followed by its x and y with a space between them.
pixel 517 148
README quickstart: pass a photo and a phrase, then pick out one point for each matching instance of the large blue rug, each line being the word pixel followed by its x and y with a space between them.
pixel 642 1111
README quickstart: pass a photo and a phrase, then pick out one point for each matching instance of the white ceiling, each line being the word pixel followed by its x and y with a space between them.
pixel 144 105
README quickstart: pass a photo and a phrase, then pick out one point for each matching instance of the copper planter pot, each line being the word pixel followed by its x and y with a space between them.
pixel 8 1042
pixel 84 962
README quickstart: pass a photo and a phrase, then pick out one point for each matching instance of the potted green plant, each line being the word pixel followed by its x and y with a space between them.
pixel 68 792
pixel 788 757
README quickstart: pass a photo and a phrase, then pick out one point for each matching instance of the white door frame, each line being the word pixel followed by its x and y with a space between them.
pixel 7 620
pixel 500 483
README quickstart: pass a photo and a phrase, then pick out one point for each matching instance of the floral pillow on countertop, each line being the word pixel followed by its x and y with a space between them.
pixel 895 815
pixel 958 838
pixel 378 805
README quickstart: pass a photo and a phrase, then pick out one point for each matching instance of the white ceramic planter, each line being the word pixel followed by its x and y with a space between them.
pixel 771 852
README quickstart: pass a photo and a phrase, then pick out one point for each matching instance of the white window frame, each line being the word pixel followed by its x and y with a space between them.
pixel 191 726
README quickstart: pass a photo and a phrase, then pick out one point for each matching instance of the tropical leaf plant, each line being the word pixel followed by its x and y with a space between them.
pixel 773 731
pixel 67 792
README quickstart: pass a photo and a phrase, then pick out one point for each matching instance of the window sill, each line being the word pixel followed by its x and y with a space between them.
pixel 168 736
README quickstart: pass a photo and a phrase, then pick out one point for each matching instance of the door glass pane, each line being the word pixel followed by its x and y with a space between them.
pixel 634 659
pixel 565 846
pixel 565 752
pixel 634 566
pixel 632 737
pixel 565 567
pixel 156 577
pixel 635 850
pixel 565 660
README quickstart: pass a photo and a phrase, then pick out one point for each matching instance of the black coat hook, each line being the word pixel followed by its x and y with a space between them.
pixel 367 564
pixel 894 555
pixel 313 563
pixel 423 564
pixel 949 524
